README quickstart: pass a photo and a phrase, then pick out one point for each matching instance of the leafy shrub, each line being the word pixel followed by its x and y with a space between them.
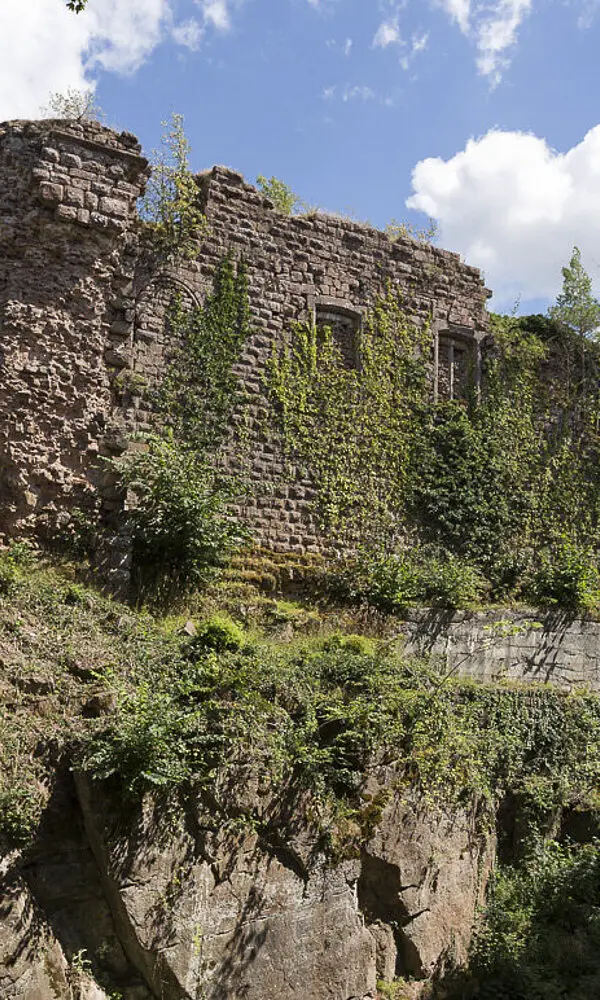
pixel 149 744
pixel 9 578
pixel 219 633
pixel 177 517
pixel 395 583
pixel 19 812
pixel 567 575
pixel 18 556
pixel 360 644
pixel 541 935
pixel 451 582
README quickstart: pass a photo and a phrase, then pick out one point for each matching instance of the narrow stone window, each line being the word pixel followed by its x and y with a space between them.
pixel 344 324
pixel 455 365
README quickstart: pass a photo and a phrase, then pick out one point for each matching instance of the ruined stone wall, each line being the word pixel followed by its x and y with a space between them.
pixel 67 200
pixel 82 315
pixel 316 265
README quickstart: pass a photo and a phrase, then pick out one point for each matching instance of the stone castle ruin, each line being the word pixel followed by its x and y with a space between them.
pixel 83 317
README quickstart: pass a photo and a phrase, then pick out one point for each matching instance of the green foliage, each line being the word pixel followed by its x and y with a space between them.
pixel 19 810
pixel 352 643
pixel 498 494
pixel 219 633
pixel 17 557
pixel 76 5
pixel 178 500
pixel 576 307
pixel 406 230
pixel 395 990
pixel 541 934
pixel 566 574
pixel 152 741
pixel 394 583
pixel 282 196
pixel 177 516
pixel 170 205
pixel 317 717
pixel 354 430
pixel 200 389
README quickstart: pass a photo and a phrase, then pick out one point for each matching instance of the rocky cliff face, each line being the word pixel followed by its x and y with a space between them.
pixel 174 904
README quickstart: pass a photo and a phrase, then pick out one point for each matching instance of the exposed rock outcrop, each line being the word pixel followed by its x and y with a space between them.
pixel 183 907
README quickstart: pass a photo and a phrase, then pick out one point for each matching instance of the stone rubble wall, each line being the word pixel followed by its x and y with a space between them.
pixel 82 316
pixel 68 197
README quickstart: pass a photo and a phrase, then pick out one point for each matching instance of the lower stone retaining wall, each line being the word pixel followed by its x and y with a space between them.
pixel 492 646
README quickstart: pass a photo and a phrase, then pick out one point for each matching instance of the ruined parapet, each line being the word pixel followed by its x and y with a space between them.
pixel 68 194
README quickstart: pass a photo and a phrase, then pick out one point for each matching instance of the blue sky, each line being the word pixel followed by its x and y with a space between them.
pixel 484 115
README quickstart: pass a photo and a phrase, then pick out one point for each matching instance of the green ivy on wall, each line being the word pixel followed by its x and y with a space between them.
pixel 505 480
pixel 355 431
pixel 178 498
pixel 200 389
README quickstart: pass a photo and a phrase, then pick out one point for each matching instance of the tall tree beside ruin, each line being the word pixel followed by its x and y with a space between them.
pixel 576 307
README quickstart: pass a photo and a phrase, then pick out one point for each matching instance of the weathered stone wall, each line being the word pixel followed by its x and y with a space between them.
pixel 67 201
pixel 298 267
pixel 82 314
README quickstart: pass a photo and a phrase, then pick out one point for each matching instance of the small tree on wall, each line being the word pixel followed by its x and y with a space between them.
pixel 576 307
pixel 280 193
pixel 73 105
pixel 170 206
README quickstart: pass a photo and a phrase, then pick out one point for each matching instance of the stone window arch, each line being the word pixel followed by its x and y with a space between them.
pixel 456 363
pixel 344 321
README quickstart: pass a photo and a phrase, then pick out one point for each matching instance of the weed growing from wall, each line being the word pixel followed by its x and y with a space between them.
pixel 170 205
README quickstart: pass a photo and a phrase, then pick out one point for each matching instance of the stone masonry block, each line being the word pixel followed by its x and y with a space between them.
pixel 114 206
pixel 51 193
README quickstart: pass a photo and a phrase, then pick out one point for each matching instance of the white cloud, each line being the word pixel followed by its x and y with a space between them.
pixel 357 93
pixel 459 11
pixel 418 43
pixel 188 33
pixel 348 46
pixel 388 33
pixel 515 207
pixel 216 13
pixel 497 35
pixel 493 25
pixel 51 48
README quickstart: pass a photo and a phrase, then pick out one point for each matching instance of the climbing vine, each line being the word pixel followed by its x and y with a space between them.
pixel 355 430
pixel 200 389
pixel 179 498
pixel 503 483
